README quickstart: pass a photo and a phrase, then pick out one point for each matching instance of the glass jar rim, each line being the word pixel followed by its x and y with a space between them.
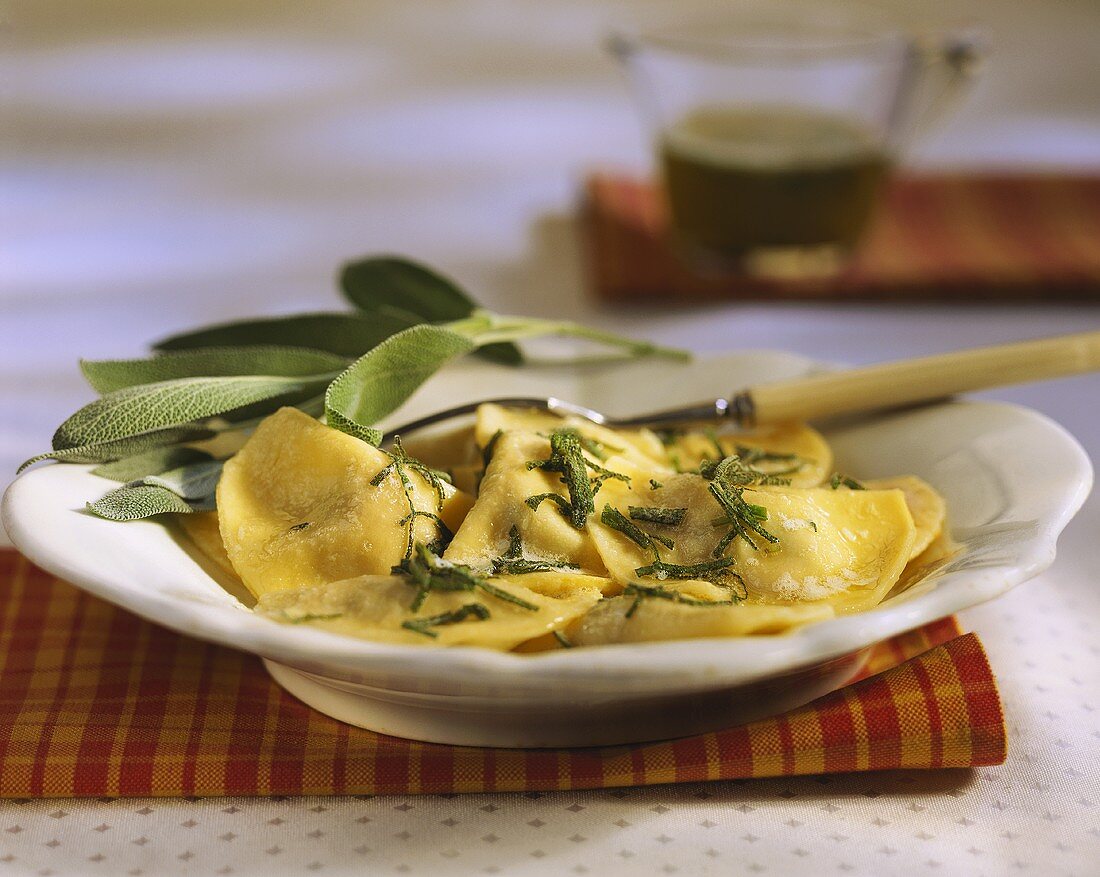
pixel 778 31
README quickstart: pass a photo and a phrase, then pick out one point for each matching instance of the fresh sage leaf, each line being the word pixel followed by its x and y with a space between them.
pixel 379 382
pixel 182 490
pixel 384 284
pixel 151 462
pixel 108 375
pixel 129 446
pixel 348 335
pixel 136 410
pixel 309 400
pixel 194 482
pixel 140 501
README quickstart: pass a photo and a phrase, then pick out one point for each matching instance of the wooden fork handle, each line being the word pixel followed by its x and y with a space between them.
pixel 894 384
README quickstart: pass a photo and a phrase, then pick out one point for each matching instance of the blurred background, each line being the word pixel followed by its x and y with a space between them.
pixel 168 164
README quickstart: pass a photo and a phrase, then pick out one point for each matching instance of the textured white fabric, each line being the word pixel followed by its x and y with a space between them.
pixel 1038 814
pixel 172 164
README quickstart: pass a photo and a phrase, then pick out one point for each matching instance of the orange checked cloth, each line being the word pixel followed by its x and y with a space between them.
pixel 995 238
pixel 96 702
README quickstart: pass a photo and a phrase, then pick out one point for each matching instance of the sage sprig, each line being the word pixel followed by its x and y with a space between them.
pixel 356 368
pixel 194 482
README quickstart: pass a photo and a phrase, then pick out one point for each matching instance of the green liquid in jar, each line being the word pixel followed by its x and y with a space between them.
pixel 740 179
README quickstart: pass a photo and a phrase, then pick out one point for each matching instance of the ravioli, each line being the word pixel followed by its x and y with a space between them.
pixel 791 449
pixel 848 547
pixel 579 535
pixel 203 529
pixel 640 445
pixel 378 608
pixel 925 505
pixel 298 508
pixel 444 449
pixel 922 571
pixel 466 476
pixel 544 532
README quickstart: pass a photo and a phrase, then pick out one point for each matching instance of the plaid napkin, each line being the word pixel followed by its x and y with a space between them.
pixel 996 238
pixel 97 702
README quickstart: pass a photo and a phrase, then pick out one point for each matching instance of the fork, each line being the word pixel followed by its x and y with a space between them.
pixel 869 388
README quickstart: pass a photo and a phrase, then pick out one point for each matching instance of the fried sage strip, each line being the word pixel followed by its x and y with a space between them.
pixel 533 502
pixel 400 465
pixel 596 448
pixel 751 456
pixel 616 520
pixel 659 592
pixel 424 625
pixel 430 572
pixel 716 571
pixel 657 515
pixel 567 457
pixel 728 480
pixel 512 562
pixel 401 461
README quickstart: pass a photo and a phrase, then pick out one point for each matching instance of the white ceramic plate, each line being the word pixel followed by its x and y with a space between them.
pixel 1012 479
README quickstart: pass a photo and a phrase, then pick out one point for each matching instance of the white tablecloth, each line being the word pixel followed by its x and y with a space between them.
pixel 174 164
